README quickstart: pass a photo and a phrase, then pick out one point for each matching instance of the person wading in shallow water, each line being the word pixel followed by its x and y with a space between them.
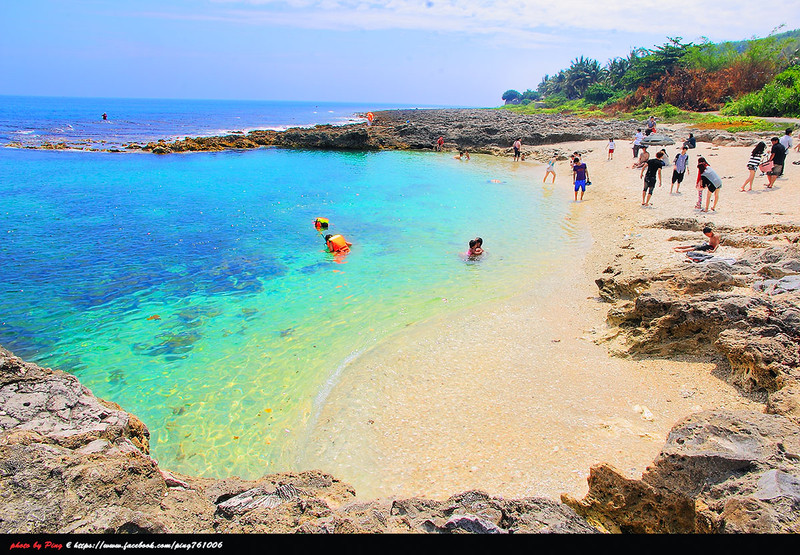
pixel 580 177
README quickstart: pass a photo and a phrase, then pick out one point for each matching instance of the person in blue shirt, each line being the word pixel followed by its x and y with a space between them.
pixel 580 175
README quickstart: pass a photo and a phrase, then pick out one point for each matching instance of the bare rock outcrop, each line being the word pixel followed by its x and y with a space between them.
pixel 720 471
pixel 746 311
pixel 488 131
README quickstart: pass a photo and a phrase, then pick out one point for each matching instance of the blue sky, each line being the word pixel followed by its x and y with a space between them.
pixel 443 52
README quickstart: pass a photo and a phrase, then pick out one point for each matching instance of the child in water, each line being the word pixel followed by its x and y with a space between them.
pixel 475 247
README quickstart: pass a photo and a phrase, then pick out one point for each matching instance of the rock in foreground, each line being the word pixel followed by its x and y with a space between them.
pixel 72 463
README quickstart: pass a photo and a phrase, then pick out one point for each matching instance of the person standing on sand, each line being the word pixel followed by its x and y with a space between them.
pixel 637 142
pixel 681 168
pixel 753 163
pixel 551 168
pixel 709 180
pixel 611 147
pixel 653 170
pixel 777 157
pixel 786 140
pixel 580 175
pixel 517 147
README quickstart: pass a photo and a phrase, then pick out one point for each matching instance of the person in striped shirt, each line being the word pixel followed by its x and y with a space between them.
pixel 753 163
pixel 681 168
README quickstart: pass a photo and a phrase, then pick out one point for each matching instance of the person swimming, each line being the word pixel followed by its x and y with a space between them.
pixel 337 243
pixel 475 247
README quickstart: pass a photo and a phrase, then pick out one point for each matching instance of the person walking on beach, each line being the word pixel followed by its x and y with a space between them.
pixel 580 175
pixel 752 165
pixel 551 168
pixel 709 180
pixel 680 169
pixel 517 147
pixel 777 157
pixel 637 142
pixel 653 168
pixel 611 147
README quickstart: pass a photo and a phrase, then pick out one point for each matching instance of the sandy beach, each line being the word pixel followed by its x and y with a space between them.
pixel 522 397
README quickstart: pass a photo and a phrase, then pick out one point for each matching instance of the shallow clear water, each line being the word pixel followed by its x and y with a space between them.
pixel 194 291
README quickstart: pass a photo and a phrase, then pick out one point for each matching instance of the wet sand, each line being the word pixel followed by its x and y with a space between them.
pixel 515 397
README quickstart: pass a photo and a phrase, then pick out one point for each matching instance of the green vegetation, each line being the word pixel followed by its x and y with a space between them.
pixel 780 97
pixel 752 77
pixel 665 113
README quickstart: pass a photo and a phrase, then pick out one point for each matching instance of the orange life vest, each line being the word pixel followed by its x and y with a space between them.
pixel 337 244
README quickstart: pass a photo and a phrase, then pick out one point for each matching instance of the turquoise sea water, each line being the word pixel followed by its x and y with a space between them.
pixel 194 291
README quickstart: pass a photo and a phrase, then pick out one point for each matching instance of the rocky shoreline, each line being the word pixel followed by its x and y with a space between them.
pixel 70 462
pixel 477 130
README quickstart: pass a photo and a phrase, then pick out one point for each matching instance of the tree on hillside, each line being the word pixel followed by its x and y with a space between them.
pixel 655 63
pixel 552 85
pixel 582 73
pixel 511 96
pixel 531 95
pixel 618 67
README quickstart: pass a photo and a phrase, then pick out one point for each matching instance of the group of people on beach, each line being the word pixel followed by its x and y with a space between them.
pixel 708 181
pixel 773 166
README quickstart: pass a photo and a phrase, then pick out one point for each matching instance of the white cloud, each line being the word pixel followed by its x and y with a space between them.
pixel 528 21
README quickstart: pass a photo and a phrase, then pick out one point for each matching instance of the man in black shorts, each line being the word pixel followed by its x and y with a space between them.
pixel 711 246
pixel 777 157
pixel 653 167
pixel 681 167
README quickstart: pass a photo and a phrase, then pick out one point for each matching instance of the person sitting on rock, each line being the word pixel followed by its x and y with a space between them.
pixel 713 242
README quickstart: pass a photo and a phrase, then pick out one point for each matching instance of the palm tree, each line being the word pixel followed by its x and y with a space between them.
pixel 582 73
